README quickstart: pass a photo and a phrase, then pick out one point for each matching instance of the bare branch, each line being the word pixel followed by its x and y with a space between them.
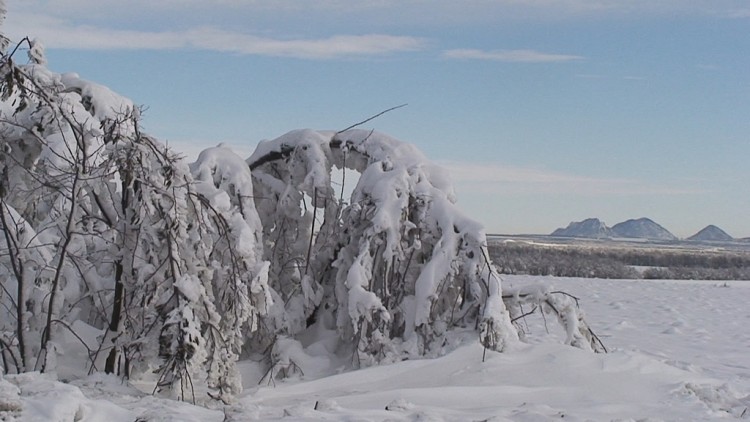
pixel 371 118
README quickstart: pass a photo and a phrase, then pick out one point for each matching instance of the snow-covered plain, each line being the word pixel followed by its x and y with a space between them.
pixel 678 351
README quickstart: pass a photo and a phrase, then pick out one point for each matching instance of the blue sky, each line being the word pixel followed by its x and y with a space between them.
pixel 544 111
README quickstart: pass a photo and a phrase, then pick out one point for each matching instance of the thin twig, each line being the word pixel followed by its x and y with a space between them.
pixel 9 56
pixel 520 306
pixel 544 317
pixel 524 316
pixel 270 368
pixel 312 229
pixel 595 337
pixel 371 118
pixel 343 177
pixel 9 350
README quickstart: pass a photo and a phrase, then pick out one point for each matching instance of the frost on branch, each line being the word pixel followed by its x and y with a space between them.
pixel 396 268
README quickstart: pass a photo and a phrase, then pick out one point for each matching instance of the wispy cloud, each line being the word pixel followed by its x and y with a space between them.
pixel 58 33
pixel 289 14
pixel 511 56
pixel 739 14
pixel 440 9
pixel 504 179
pixel 589 76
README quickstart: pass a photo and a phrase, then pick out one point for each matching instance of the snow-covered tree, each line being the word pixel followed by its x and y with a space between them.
pixel 103 224
pixel 46 163
pixel 189 286
pixel 397 268
pixel 223 185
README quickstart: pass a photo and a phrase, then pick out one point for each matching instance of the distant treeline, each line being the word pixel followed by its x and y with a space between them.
pixel 618 262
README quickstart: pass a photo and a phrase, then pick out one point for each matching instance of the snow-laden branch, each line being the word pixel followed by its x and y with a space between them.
pixel 562 305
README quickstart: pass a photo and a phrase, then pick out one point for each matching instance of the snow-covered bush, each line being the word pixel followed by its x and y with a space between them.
pixel 182 269
pixel 397 267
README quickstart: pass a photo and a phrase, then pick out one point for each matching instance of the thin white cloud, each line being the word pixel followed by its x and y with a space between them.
pixel 272 14
pixel 589 76
pixel 739 14
pixel 327 48
pixel 443 8
pixel 511 56
pixel 58 33
pixel 503 179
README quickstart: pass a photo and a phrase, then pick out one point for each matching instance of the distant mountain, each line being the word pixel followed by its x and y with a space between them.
pixel 589 228
pixel 593 228
pixel 642 228
pixel 711 233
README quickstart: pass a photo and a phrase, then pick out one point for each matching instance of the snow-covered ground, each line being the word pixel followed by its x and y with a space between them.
pixel 679 350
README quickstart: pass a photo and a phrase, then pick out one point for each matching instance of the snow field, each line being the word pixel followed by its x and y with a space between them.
pixel 678 352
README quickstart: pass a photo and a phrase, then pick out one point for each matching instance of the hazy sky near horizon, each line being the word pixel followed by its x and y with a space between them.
pixel 544 111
